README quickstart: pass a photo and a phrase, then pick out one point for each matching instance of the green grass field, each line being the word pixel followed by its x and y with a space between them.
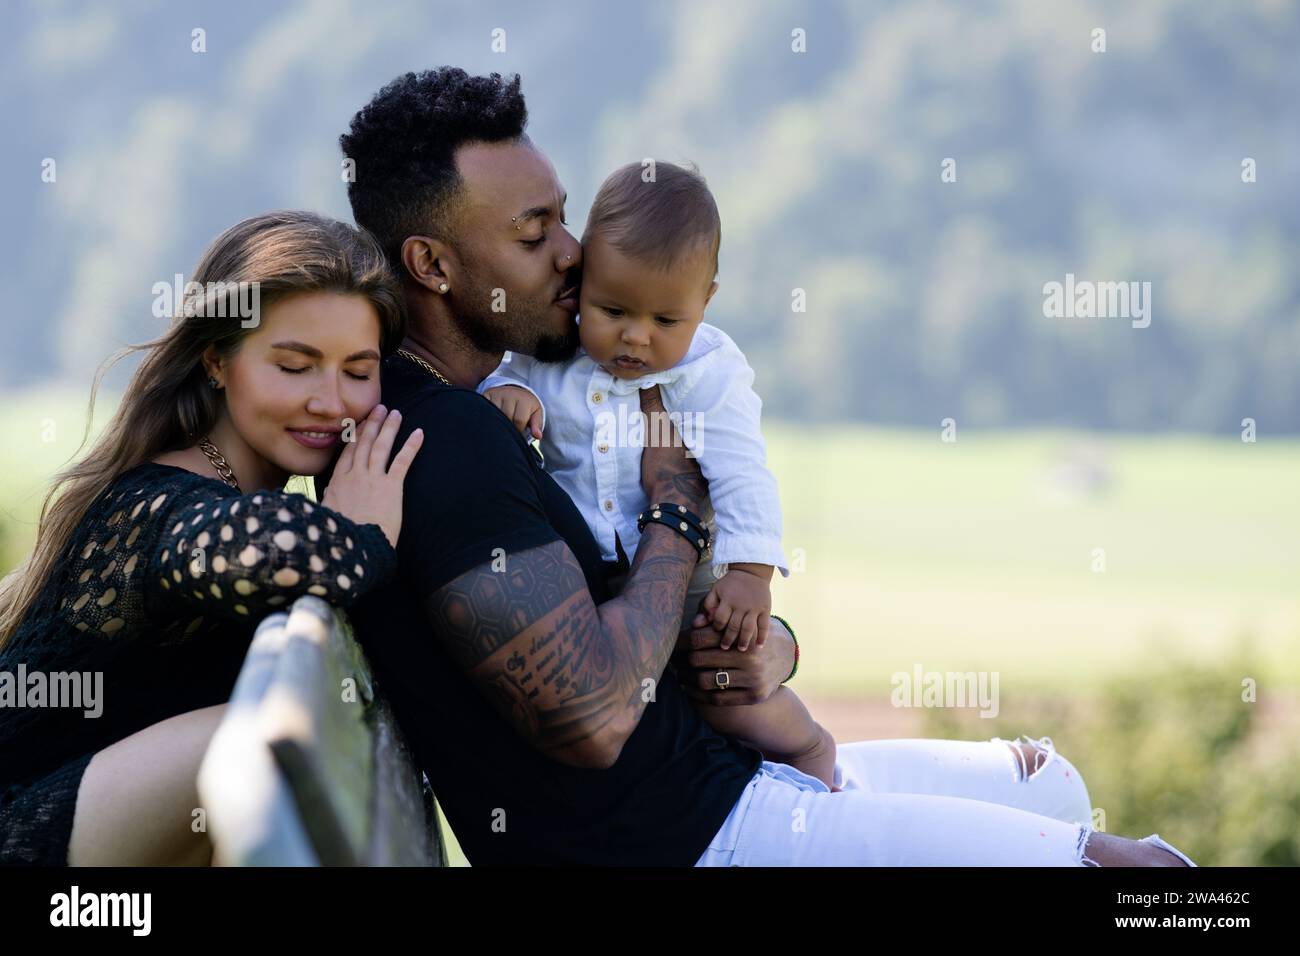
pixel 971 555
pixel 979 555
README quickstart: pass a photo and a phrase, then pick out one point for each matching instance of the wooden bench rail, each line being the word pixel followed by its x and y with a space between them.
pixel 308 767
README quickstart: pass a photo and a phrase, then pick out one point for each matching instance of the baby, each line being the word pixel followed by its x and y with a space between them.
pixel 650 257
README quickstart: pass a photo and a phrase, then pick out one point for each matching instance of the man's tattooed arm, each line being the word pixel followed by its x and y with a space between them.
pixel 572 677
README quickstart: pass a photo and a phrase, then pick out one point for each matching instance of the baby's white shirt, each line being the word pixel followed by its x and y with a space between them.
pixel 592 437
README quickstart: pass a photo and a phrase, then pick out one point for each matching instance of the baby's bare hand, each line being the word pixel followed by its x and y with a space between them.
pixel 739 606
pixel 519 405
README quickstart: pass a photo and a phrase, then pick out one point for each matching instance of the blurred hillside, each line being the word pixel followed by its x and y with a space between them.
pixel 924 298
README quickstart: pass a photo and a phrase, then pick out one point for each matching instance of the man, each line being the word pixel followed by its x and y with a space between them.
pixel 537 707
pixel 543 713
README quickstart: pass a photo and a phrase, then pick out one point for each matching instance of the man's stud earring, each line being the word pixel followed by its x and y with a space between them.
pixel 442 287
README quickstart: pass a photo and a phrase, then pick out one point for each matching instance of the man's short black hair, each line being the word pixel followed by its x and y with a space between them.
pixel 404 142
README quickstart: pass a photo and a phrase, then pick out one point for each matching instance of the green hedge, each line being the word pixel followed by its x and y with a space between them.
pixel 1173 749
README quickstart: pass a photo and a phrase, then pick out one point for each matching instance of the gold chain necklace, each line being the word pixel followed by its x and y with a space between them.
pixel 419 361
pixel 219 462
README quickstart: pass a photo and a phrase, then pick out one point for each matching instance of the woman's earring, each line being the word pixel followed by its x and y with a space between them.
pixel 442 287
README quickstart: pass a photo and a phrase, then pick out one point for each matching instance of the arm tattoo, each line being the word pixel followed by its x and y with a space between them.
pixel 559 668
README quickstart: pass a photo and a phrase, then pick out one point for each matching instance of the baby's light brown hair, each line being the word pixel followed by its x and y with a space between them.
pixel 658 213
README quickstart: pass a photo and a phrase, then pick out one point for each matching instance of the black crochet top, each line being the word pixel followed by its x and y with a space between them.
pixel 160 590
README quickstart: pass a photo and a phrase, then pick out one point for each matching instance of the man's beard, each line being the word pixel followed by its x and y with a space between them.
pixel 522 328
pixel 556 348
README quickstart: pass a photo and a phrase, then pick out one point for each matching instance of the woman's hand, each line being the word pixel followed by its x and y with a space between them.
pixel 363 488
pixel 754 674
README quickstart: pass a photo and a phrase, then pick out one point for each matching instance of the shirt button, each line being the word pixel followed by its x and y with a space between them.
pixel 602 447
pixel 609 505
pixel 597 397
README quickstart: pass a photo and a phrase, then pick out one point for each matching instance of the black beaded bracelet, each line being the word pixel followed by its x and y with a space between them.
pixel 684 522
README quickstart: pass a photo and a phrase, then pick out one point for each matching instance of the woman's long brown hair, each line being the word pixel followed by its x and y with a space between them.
pixel 168 404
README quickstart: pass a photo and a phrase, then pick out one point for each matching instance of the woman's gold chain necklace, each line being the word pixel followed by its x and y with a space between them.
pixel 219 462
pixel 421 362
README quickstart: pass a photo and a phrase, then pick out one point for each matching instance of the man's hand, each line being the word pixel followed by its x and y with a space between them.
pixel 755 674
pixel 519 405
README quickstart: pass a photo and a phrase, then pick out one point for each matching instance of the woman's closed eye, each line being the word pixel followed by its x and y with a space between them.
pixel 299 371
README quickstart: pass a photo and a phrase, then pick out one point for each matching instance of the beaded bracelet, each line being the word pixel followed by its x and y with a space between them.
pixel 684 522
pixel 795 669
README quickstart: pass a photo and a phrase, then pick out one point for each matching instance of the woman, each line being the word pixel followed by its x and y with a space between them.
pixel 173 538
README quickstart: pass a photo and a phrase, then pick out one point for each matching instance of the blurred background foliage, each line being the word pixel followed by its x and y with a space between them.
pixel 1172 748
pixel 924 299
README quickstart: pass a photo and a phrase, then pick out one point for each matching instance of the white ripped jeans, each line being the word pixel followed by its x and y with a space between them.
pixel 913 803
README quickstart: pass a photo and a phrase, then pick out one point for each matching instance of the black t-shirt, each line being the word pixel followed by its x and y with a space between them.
pixel 475 487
